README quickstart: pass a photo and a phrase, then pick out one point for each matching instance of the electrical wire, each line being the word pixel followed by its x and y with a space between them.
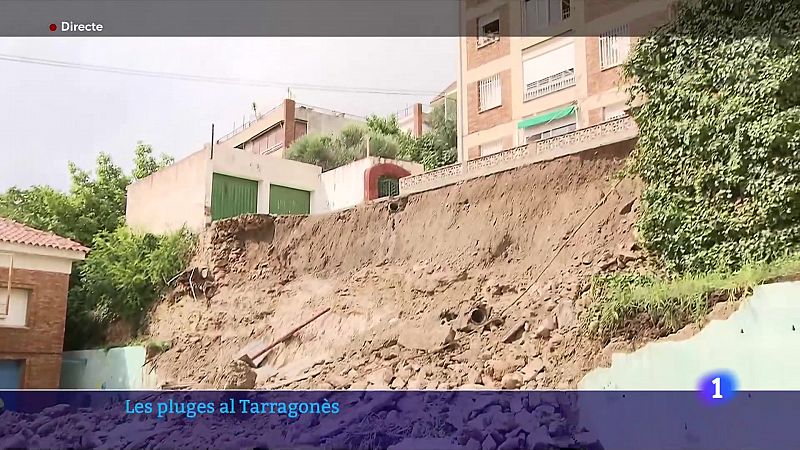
pixel 209 79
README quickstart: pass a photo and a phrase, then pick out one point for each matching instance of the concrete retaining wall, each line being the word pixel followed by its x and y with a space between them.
pixel 116 368
pixel 758 343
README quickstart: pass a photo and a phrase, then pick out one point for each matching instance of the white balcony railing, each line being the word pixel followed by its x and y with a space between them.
pixel 596 136
pixel 550 84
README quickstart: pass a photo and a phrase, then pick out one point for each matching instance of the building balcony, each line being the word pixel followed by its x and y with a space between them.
pixel 607 133
pixel 553 83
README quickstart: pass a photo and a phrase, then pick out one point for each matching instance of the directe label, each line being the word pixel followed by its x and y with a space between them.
pixel 72 27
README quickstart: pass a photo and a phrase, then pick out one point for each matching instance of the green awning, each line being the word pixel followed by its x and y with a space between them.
pixel 548 117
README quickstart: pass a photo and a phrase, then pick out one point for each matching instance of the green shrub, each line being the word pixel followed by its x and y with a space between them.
pixel 123 275
pixel 620 300
pixel 719 134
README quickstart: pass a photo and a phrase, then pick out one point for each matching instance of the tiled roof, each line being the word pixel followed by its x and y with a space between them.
pixel 17 233
pixel 447 90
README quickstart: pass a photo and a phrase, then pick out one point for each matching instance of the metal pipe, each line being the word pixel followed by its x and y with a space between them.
pixel 289 334
pixel 8 287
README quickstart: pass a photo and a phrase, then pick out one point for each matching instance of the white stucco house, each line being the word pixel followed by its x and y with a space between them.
pixel 226 181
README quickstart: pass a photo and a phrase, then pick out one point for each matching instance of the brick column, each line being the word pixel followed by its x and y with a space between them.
pixel 418 119
pixel 288 122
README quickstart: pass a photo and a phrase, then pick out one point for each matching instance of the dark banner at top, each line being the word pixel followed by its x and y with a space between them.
pixel 483 19
pixel 436 420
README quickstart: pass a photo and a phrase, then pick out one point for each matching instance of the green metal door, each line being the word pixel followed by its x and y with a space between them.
pixel 231 196
pixel 388 187
pixel 285 200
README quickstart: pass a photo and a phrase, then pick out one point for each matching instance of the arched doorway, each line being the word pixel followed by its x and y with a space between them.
pixel 383 180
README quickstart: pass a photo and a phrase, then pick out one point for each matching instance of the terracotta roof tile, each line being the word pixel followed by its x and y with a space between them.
pixel 17 233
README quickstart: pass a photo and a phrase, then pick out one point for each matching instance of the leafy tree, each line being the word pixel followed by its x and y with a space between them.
pixel 124 272
pixel 95 201
pixel 330 152
pixel 433 149
pixel 145 163
pixel 441 149
pixel 387 126
pixel 41 207
pixel 719 124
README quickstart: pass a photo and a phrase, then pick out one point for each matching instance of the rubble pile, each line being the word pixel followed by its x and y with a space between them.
pixel 398 421
pixel 503 338
pixel 480 284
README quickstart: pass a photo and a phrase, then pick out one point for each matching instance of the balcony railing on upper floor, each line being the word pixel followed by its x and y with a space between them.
pixel 553 83
pixel 253 119
pixel 274 148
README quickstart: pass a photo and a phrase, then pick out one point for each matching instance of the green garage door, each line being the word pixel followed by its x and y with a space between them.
pixel 284 200
pixel 231 196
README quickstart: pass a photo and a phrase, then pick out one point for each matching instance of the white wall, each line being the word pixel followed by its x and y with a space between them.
pixel 172 197
pixel 323 122
pixel 17 308
pixel 266 171
pixel 343 187
pixel 30 257
pixel 115 368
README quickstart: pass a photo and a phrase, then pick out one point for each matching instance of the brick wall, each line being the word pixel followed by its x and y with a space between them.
pixel 39 371
pixel 594 9
pixel 476 120
pixel 288 122
pixel 599 80
pixel 595 116
pixel 40 343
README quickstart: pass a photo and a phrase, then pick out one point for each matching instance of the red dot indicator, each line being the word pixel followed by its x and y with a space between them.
pixel 53 27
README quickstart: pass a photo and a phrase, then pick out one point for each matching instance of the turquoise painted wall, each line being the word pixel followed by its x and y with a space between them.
pixel 115 368
pixel 756 343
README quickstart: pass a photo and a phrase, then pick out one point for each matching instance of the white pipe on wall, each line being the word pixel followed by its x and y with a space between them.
pixel 8 287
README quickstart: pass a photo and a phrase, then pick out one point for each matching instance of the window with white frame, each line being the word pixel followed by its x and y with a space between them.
pixel 614 112
pixel 550 129
pixel 491 148
pixel 542 14
pixel 13 307
pixel 614 46
pixel 549 72
pixel 488 29
pixel 489 93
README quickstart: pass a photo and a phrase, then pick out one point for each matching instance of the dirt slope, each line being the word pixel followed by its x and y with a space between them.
pixel 401 284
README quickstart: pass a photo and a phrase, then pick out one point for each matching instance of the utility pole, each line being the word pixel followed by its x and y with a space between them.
pixel 212 141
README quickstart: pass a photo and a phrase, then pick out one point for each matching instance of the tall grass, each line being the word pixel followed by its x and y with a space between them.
pixel 622 301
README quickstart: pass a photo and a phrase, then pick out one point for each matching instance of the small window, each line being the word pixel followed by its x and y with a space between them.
pixel 13 307
pixel 614 112
pixel 491 148
pixel 541 14
pixel 614 47
pixel 551 129
pixel 488 29
pixel 388 187
pixel 489 93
